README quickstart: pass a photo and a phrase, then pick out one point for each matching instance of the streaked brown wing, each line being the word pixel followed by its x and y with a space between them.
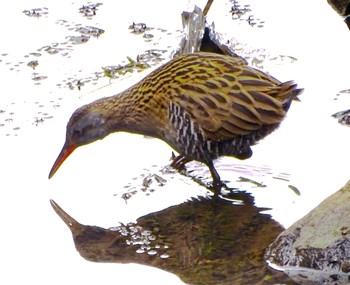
pixel 229 99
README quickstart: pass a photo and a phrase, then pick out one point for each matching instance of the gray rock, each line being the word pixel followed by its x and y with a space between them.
pixel 316 249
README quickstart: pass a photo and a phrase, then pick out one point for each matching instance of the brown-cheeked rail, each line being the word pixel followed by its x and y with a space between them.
pixel 204 105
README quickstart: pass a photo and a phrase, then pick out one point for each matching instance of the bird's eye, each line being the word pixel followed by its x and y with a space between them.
pixel 77 132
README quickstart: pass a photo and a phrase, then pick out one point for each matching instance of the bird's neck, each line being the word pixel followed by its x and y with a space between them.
pixel 127 112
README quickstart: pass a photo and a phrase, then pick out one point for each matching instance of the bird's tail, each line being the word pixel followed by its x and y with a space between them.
pixel 289 93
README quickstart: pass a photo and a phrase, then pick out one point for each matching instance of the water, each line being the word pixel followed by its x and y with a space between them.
pixel 310 150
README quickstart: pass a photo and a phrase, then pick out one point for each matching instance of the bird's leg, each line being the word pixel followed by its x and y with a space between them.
pixel 179 162
pixel 217 184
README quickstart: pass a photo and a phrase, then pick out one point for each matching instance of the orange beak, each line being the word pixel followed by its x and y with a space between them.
pixel 65 152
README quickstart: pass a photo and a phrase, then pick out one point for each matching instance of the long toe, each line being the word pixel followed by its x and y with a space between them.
pixel 179 162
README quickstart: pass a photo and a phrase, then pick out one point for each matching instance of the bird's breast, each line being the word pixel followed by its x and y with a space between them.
pixel 187 137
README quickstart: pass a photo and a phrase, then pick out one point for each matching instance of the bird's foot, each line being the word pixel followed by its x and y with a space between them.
pixel 217 186
pixel 179 162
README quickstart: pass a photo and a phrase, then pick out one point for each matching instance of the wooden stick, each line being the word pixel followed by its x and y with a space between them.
pixel 207 7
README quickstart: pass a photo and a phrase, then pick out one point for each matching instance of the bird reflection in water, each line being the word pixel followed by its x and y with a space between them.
pixel 207 240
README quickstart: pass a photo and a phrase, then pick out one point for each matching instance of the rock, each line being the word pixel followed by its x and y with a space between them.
pixel 343 9
pixel 343 117
pixel 316 249
pixel 341 6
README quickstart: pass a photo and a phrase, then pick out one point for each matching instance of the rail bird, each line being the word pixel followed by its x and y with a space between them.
pixel 204 105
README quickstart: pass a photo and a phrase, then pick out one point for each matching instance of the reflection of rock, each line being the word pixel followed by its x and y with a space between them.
pixel 203 241
pixel 317 247
pixel 139 28
pixel 90 31
pixel 343 117
pixel 33 64
pixel 36 12
pixel 89 10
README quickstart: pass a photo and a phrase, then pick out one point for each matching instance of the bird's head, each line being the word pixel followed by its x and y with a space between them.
pixel 85 126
